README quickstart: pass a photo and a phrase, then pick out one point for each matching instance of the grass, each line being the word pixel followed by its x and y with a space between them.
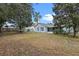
pixel 36 44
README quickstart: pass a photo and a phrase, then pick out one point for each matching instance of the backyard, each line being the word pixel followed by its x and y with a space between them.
pixel 36 44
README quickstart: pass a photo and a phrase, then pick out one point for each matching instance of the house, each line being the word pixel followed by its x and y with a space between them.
pixel 49 28
pixel 9 26
pixel 27 29
pixel 41 27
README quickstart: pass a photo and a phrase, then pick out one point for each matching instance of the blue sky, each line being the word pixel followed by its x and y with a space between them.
pixel 45 10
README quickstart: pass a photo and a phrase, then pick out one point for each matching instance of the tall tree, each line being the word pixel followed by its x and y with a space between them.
pixel 58 18
pixel 37 16
pixel 3 14
pixel 21 13
pixel 69 14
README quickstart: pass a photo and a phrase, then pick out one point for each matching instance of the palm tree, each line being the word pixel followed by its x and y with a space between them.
pixel 37 16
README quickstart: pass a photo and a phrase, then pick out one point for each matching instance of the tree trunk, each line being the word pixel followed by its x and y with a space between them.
pixel 74 29
pixel 69 30
pixel 20 29
pixel 0 29
pixel 60 28
pixel 74 34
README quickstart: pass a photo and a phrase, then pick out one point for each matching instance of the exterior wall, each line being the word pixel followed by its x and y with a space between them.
pixel 31 29
pixel 38 28
pixel 9 27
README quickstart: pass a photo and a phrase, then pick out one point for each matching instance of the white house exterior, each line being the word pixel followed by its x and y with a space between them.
pixel 8 26
pixel 40 27
pixel 49 28
pixel 31 29
pixel 43 27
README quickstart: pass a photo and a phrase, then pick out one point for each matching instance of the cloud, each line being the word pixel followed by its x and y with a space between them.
pixel 47 17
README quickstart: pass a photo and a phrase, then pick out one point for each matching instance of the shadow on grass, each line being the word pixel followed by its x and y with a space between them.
pixel 10 33
pixel 69 36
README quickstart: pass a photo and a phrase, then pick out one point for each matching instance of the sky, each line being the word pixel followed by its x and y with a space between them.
pixel 45 10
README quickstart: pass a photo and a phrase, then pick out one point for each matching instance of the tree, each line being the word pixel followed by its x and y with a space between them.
pixel 58 18
pixel 37 16
pixel 3 14
pixel 21 13
pixel 68 13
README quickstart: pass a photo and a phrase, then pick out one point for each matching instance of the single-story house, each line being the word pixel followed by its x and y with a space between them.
pixel 41 27
pixel 49 28
pixel 8 26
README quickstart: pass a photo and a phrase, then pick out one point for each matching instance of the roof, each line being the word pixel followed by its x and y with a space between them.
pixel 9 25
pixel 43 24
pixel 46 25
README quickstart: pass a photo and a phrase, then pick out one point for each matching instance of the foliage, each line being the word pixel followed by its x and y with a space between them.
pixel 21 13
pixel 37 16
pixel 67 14
pixel 3 14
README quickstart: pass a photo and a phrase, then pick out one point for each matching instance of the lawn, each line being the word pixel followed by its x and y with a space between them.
pixel 38 44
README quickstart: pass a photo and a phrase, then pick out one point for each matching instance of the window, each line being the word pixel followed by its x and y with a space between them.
pixel 42 29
